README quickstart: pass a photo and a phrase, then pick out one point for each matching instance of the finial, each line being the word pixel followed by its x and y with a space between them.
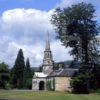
pixel 47 35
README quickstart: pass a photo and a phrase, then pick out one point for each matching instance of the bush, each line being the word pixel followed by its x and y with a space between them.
pixel 28 83
pixel 80 84
pixel 97 91
pixel 7 86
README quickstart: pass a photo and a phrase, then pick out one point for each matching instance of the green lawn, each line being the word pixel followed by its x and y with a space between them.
pixel 30 95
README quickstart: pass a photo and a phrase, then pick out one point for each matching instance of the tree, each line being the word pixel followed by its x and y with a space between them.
pixel 28 75
pixel 4 75
pixel 13 78
pixel 74 64
pixel 18 71
pixel 95 78
pixel 77 28
pixel 79 83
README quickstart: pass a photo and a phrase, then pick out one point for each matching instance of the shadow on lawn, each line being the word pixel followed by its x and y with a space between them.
pixel 3 99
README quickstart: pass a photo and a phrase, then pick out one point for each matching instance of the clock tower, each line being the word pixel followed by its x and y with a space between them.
pixel 47 60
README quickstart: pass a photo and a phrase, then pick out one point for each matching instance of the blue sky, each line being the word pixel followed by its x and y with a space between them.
pixel 36 4
pixel 24 23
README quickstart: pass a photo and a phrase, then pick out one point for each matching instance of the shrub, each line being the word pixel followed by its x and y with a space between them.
pixel 80 84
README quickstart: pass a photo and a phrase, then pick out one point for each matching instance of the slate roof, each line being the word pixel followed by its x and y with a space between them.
pixel 69 72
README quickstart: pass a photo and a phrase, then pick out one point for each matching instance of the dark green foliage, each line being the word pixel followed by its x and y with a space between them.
pixel 13 78
pixel 18 71
pixel 4 75
pixel 27 75
pixel 50 85
pixel 32 70
pixel 35 69
pixel 77 28
pixel 74 64
pixel 28 69
pixel 80 83
pixel 95 78
pixel 40 68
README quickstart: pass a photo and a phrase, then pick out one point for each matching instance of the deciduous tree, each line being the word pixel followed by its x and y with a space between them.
pixel 77 28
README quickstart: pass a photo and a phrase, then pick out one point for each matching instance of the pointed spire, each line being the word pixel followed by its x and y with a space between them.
pixel 47 41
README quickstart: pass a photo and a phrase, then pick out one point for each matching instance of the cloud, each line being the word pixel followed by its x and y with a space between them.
pixel 26 29
pixel 60 53
pixel 31 22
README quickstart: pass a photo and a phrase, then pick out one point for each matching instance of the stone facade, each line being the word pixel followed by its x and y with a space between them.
pixel 39 84
pixel 62 84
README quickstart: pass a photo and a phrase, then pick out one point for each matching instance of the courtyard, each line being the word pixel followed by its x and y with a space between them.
pixel 30 95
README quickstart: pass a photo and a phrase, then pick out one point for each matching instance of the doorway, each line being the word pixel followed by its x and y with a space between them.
pixel 41 85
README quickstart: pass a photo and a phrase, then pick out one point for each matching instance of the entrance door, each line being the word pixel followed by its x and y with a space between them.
pixel 41 85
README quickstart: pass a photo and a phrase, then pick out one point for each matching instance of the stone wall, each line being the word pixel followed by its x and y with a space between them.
pixel 62 84
pixel 35 83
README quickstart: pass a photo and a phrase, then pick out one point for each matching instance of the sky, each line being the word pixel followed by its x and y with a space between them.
pixel 24 23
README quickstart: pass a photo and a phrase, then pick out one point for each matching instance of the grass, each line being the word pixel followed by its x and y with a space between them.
pixel 30 95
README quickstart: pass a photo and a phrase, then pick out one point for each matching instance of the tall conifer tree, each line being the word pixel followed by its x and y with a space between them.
pixel 18 70
pixel 27 75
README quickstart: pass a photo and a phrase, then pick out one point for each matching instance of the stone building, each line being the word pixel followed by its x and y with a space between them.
pixel 61 79
pixel 50 79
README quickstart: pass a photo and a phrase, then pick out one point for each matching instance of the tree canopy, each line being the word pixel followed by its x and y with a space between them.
pixel 77 28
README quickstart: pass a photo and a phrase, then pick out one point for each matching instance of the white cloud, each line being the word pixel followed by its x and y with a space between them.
pixel 26 28
pixel 26 22
pixel 60 52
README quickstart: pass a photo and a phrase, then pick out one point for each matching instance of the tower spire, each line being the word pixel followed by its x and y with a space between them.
pixel 47 61
pixel 47 42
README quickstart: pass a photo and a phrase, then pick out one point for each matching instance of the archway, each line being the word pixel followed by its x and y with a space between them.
pixel 41 85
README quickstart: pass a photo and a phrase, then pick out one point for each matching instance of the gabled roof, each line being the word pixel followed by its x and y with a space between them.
pixel 69 72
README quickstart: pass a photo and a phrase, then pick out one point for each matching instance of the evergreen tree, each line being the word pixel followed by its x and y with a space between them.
pixel 28 75
pixel 13 78
pixel 18 71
